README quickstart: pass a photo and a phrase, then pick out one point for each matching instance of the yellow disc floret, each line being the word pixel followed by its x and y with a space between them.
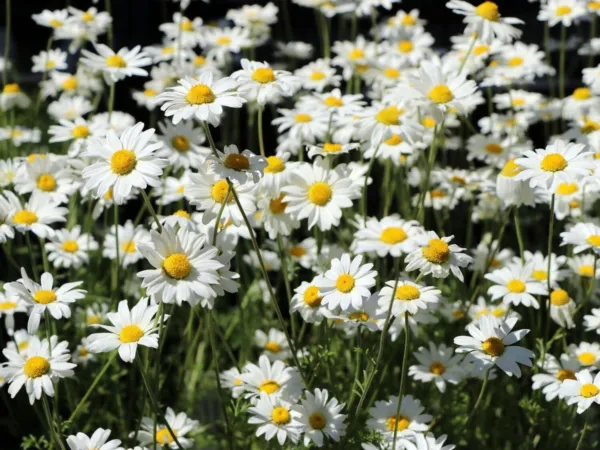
pixel 177 266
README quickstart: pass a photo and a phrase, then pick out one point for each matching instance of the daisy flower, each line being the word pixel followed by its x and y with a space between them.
pixel 485 21
pixel 180 424
pixel 583 266
pixel 515 285
pixel 491 344
pixel 317 75
pixel 44 297
pixel 588 354
pixel 81 355
pixel 54 59
pixel 79 132
pixel 259 82
pixel 46 176
pixel 125 162
pixel 6 229
pixel 559 162
pixel 584 236
pixel 562 308
pixel 367 315
pixel 240 166
pixel 275 417
pixel 231 379
pixel 274 344
pixel 39 368
pixel 183 144
pixel 409 421
pixel 116 66
pixel 183 30
pixel 565 12
pixel 277 172
pixel 10 303
pixel 330 149
pixel 319 194
pixel 437 364
pixel 70 248
pixel 129 237
pixel 433 88
pixel 97 441
pixel 583 391
pixel 52 19
pixel 553 372
pixel 437 257
pixel 12 96
pixel 307 301
pixel 408 297
pixel 276 379
pixel 381 122
pixel 129 329
pixel 200 97
pixel 221 42
pixel 590 321
pixel 389 236
pixel 320 417
pixel 346 284
pixel 274 217
pixel 184 267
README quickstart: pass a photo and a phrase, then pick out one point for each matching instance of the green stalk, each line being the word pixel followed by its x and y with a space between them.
pixel 403 373
pixel 261 142
pixel 152 212
pixel 6 42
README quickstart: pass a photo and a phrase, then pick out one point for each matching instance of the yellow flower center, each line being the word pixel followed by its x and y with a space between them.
pixel 356 53
pixel 518 102
pixel 515 61
pixel 567 188
pixel 317 75
pixel 428 122
pixel 297 251
pixel 488 10
pixel 122 162
pixel 408 20
pixel 80 132
pixel 116 61
pixel 590 126
pixel 272 347
pixel 540 275
pixel 312 298
pixel 511 169
pixel 163 436
pixel 177 266
pixel 437 368
pixel 277 205
pixel 458 314
pixel 182 213
pixel 565 374
pixel 553 162
pixel 441 94
pixel 25 217
pixel 70 84
pixel 108 195
pixel 11 88
pixel 186 25
pixel 493 346
pixel 594 5
pixel 55 23
pixel 582 94
pixel 399 423
pixel 200 94
pixel 263 75
pixel 36 366
pixel 320 193
pixel 493 148
pixel 333 102
pixel 317 421
pixel 330 147
pixel 46 182
pixel 269 387
pixel 70 246
pixel 390 72
pixel 394 140
pixel 481 49
pixel 128 247
pixel 589 390
pixel 405 46
pixel 303 118
pixel 7 306
pixel 388 116
pixel 407 292
pixel 87 17
pixel 180 143
pixel 130 333
pixel 345 283
pixel 393 235
pixel 594 240
pixel 437 251
pixel 280 415
pixel 92 320
pixel 516 286
pixel 358 316
pixel 223 40
pixel 83 352
pixel 563 10
pixel 199 60
pixel 574 204
pixel 587 358
pixel 559 297
pixel 586 270
pixel 219 191
pixel 274 165
pixel 438 193
pixel 44 297
pixel 237 162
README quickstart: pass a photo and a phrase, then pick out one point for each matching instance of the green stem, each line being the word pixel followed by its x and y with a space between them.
pixel 364 196
pixel 152 211
pixel 402 373
pixel 107 6
pixel 519 235
pixel 469 51
pixel 218 219
pixel 286 279
pixel 44 255
pixel 111 95
pixel 261 142
pixel 116 267
pixel 31 257
pixel 6 42
pixel 480 397
pixel 561 62
pixel 582 433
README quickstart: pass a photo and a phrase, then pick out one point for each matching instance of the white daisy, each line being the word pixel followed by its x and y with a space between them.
pixel 116 66
pixel 588 354
pixel 553 373
pixel 437 364
pixel 183 144
pixel 584 236
pixel 240 166
pixel 129 238
pixel 12 96
pixel 410 419
pixel 485 21
pixel 274 344
pixel 320 417
pixel 307 300
pixel 70 248
pixel 275 380
pixel 275 417
pixel 129 329
pixel 515 285
pixel 583 391
pixel 565 12
pixel 408 297
pixel 231 379
pixel 54 59
pixel 10 303
pixel 97 441
pixel 181 425
pixel 562 308
pixel 47 176
pixel 260 83
pixel 79 132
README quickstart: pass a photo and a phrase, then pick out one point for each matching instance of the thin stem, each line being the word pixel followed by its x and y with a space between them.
pixel 561 62
pixel 519 235
pixel 464 62
pixel 583 433
pixel 402 373
pixel 286 279
pixel 115 274
pixel 480 397
pixel 261 142
pixel 91 388
pixel 218 219
pixel 155 404
pixel 364 196
pixel 44 255
pixel 211 333
pixel 54 434
pixel 31 257
pixel 107 6
pixel 111 95
pixel 7 32
pixel 592 36
pixel 152 211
